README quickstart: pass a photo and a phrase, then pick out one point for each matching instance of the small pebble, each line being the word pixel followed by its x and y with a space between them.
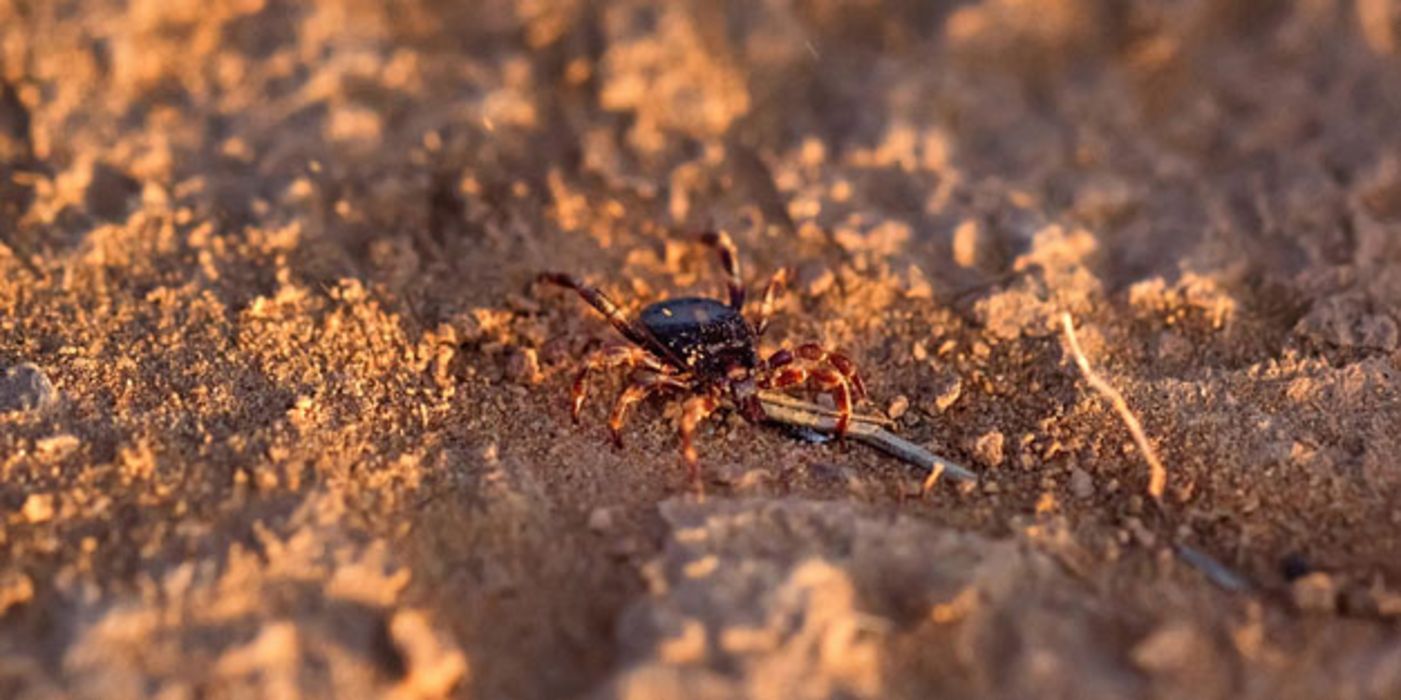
pixel 57 445
pixel 1315 592
pixel 968 239
pixel 948 393
pixel 898 407
pixel 601 519
pixel 38 508
pixel 987 449
pixel 1172 647
pixel 25 388
pixel 15 589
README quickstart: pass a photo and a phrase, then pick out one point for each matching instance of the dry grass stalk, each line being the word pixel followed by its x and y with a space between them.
pixel 1157 476
pixel 780 408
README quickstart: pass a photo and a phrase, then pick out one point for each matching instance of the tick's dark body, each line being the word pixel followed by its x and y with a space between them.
pixel 707 351
pixel 708 337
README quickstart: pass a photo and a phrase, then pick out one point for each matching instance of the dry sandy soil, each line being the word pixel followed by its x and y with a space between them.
pixel 283 412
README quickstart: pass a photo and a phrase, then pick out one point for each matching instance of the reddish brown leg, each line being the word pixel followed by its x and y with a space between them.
pixel 695 410
pixel 777 284
pixel 729 260
pixel 779 358
pixel 836 384
pixel 607 358
pixel 827 380
pixel 817 354
pixel 633 394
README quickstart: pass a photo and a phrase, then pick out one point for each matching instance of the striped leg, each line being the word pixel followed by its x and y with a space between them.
pixel 729 259
pixel 605 306
pixel 780 358
pixel 825 379
pixel 776 286
pixel 818 355
pixel 635 393
pixel 695 410
pixel 608 358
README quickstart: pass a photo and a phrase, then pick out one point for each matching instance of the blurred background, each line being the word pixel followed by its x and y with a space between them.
pixel 284 414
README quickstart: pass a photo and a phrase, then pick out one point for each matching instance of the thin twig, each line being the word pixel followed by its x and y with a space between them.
pixel 1214 570
pixel 1157 476
pixel 794 412
pixel 774 397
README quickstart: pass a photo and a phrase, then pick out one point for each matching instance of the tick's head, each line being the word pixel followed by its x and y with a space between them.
pixel 745 393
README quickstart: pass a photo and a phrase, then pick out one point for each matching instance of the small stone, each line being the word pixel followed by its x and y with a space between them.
pixel 917 286
pixel 898 407
pixel 987 449
pixel 1081 485
pixel 38 507
pixel 25 388
pixel 966 243
pixel 1386 603
pixel 15 589
pixel 57 445
pixel 947 394
pixel 1171 647
pixel 601 519
pixel 1316 592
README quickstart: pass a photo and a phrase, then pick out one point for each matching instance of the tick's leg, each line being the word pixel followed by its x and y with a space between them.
pixel 843 364
pixel 776 286
pixel 834 383
pixel 695 410
pixel 729 259
pixel 607 358
pixel 640 389
pixel 827 380
pixel 780 358
pixel 605 306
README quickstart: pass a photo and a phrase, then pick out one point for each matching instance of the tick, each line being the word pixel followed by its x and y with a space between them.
pixel 704 353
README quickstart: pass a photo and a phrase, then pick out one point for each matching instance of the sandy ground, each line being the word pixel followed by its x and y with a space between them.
pixel 283 412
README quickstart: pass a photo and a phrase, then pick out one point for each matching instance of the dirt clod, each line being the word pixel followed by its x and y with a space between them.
pixel 947 393
pixel 988 449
